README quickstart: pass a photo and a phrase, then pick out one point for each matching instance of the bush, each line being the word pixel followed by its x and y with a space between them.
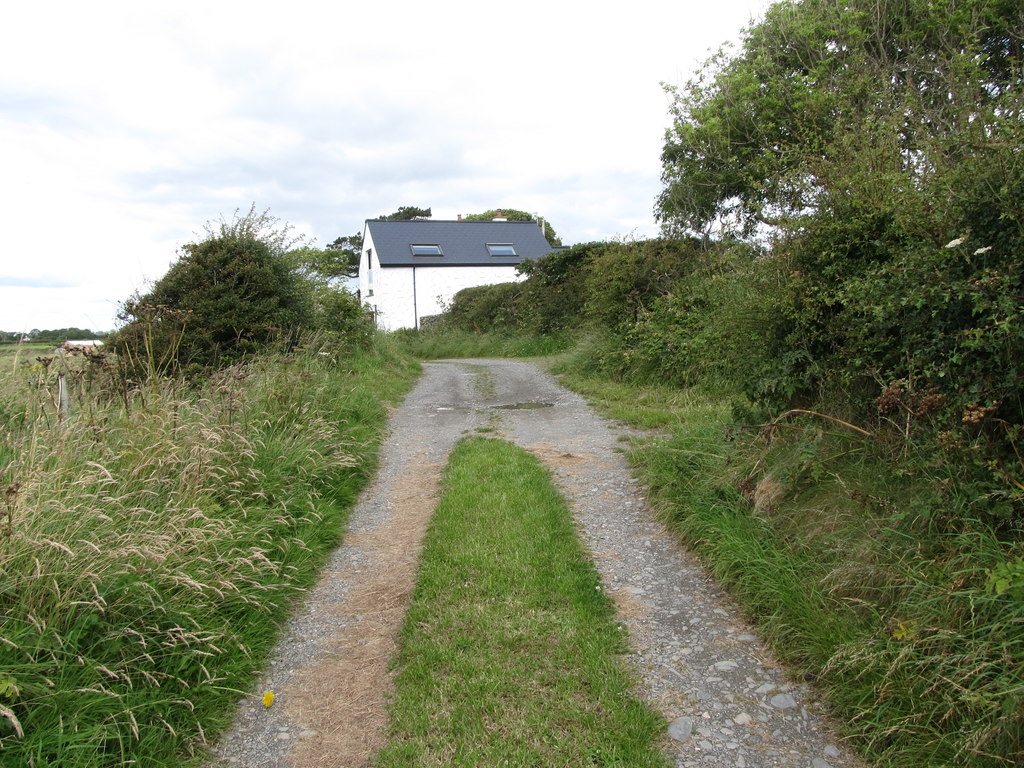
pixel 486 308
pixel 341 314
pixel 623 280
pixel 713 329
pixel 554 295
pixel 226 298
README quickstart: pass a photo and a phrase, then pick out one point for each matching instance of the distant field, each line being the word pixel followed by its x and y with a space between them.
pixel 20 355
pixel 25 351
pixel 32 346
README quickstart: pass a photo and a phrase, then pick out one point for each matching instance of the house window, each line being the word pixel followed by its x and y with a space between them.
pixel 501 249
pixel 426 250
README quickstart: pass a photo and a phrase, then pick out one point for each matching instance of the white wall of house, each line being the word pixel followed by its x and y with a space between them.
pixel 397 290
pixel 370 265
pixel 369 268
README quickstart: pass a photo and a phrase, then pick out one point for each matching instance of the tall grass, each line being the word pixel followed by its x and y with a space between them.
pixel 153 542
pixel 444 342
pixel 844 550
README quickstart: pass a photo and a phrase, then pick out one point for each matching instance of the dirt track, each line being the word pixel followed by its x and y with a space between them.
pixel 729 703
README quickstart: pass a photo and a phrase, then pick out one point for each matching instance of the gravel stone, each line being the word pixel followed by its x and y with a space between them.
pixel 783 701
pixel 681 729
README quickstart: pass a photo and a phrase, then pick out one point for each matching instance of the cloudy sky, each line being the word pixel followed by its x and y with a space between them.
pixel 125 126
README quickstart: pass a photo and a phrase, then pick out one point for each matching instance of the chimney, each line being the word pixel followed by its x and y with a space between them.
pixel 460 217
pixel 499 217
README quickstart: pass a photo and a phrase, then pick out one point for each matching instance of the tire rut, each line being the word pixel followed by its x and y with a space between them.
pixel 697 662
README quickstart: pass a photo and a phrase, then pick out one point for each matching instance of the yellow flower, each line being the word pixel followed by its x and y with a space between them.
pixel 905 630
pixel 268 698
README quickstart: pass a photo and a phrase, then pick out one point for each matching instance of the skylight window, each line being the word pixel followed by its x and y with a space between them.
pixel 501 249
pixel 426 250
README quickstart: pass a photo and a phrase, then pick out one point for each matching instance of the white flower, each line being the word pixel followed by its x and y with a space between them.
pixel 986 249
pixel 955 243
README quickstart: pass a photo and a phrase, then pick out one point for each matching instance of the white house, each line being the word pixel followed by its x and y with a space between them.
pixel 409 270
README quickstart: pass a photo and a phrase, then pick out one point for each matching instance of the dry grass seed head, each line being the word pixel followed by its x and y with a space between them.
pixel 767 494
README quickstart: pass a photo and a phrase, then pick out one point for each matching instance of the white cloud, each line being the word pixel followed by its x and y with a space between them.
pixel 124 127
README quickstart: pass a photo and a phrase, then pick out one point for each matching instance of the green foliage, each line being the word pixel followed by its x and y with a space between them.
pixel 406 213
pixel 227 297
pixel 1007 578
pixel 878 143
pixel 340 314
pixel 336 260
pixel 546 303
pixel 335 309
pixel 486 308
pixel 54 336
pixel 624 279
pixel 672 311
pixel 554 295
pixel 514 215
pixel 715 329
pixel 841 104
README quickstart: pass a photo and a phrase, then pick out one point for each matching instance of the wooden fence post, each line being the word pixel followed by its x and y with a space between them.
pixel 63 399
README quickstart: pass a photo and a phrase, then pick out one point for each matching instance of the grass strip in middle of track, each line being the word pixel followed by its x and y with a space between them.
pixel 511 654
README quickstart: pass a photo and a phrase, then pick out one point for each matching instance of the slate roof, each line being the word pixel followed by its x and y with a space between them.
pixel 463 243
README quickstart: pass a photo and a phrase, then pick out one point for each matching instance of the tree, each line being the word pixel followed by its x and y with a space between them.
pixel 227 296
pixel 879 143
pixel 334 307
pixel 831 105
pixel 407 213
pixel 515 215
pixel 335 261
pixel 58 335
pixel 340 258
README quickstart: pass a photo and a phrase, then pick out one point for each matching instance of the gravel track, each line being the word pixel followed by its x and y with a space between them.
pixel 728 702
